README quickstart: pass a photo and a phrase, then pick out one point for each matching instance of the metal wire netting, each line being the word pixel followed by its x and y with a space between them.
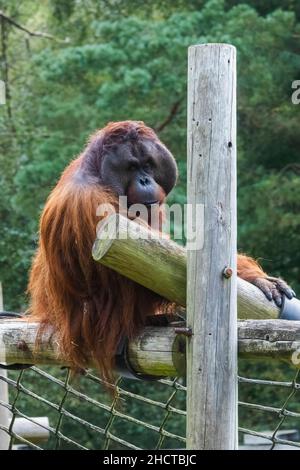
pixel 83 415
pixel 142 415
pixel 269 409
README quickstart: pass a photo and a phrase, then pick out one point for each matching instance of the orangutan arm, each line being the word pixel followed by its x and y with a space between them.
pixel 273 288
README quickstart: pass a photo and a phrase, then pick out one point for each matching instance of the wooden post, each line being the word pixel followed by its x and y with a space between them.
pixel 211 297
pixel 4 412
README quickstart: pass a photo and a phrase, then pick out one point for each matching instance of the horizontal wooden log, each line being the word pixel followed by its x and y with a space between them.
pixel 160 265
pixel 270 339
pixel 158 351
pixel 154 262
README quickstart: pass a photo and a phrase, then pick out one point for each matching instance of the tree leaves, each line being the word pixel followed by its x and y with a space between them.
pixel 134 66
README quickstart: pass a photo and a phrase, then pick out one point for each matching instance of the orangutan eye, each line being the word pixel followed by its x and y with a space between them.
pixel 149 164
pixel 133 166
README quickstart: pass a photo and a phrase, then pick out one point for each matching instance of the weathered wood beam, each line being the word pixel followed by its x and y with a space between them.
pixel 4 411
pixel 36 430
pixel 160 265
pixel 156 350
pixel 212 298
pixel 270 339
pixel 143 256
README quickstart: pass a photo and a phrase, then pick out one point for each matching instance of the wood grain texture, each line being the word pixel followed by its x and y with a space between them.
pixel 211 298
pixel 253 304
pixel 270 339
pixel 154 262
pixel 155 351
pixel 5 414
pixel 160 265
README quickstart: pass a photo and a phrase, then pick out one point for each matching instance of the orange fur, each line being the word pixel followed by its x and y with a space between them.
pixel 90 306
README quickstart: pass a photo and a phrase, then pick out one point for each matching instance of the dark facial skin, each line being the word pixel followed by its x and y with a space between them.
pixel 143 170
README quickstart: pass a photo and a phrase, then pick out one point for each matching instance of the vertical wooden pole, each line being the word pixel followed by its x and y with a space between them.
pixel 211 297
pixel 4 412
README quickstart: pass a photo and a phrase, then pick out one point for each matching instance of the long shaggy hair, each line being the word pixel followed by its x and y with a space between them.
pixel 90 306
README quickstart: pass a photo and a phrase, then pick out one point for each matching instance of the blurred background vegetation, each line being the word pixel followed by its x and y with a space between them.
pixel 109 60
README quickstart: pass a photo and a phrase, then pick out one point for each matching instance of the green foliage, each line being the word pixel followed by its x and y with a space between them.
pixel 278 215
pixel 127 60
pixel 133 67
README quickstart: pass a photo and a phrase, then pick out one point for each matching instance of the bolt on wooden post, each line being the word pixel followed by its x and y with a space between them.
pixel 211 294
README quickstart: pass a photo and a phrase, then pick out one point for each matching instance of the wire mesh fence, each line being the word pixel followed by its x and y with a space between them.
pixel 83 415
pixel 269 408
pixel 144 415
